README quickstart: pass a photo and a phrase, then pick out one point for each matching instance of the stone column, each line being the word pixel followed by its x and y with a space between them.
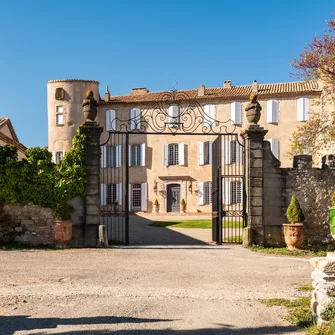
pixel 92 198
pixel 253 139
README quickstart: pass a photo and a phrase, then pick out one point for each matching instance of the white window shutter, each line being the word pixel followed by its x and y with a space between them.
pixel 144 196
pixel 201 153
pixel 207 113
pixel 143 154
pixel 118 156
pixel 165 154
pixel 239 152
pixel 210 151
pixel 212 113
pixel 103 156
pixel 274 142
pixel 108 120
pixel 129 197
pixel 53 157
pixel 302 109
pixel 236 112
pixel 181 153
pixel 306 109
pixel 103 194
pixel 173 114
pixel 242 196
pixel 119 193
pixel 201 198
pixel 210 192
pixel 227 192
pixel 132 117
pixel 272 111
pixel 129 154
pixel 227 159
pixel 138 118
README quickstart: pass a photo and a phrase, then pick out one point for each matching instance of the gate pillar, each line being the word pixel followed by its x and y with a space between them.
pixel 254 137
pixel 92 192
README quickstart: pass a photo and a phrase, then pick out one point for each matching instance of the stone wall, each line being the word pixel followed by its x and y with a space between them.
pixel 30 225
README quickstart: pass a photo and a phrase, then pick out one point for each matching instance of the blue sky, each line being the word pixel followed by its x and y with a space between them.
pixel 148 43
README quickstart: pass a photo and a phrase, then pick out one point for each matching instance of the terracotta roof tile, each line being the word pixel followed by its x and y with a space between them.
pixel 235 92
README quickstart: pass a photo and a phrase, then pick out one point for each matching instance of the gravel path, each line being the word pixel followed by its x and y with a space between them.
pixel 185 289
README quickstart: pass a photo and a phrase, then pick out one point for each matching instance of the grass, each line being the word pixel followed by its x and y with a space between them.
pixel 237 238
pixel 286 252
pixel 201 224
pixel 299 313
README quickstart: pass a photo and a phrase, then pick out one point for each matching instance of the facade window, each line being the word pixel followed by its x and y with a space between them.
pixel 303 109
pixel 136 155
pixel 136 197
pixel 207 153
pixel 135 118
pixel 111 194
pixel 236 112
pixel 59 156
pixel 209 117
pixel 59 115
pixel 208 192
pixel 112 156
pixel 236 192
pixel 233 150
pixel 174 114
pixel 173 154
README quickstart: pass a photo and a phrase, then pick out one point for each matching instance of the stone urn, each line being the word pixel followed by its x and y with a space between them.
pixel 62 232
pixel 294 235
pixel 332 221
pixel 253 110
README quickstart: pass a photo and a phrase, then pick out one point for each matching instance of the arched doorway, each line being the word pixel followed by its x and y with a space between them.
pixel 173 198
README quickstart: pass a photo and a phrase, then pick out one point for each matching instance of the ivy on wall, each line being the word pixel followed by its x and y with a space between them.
pixel 38 180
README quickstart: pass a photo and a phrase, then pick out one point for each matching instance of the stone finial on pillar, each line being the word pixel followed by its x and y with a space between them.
pixel 92 198
pixel 302 162
pixel 253 139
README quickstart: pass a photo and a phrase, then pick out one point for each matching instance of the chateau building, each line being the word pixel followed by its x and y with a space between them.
pixel 8 137
pixel 170 168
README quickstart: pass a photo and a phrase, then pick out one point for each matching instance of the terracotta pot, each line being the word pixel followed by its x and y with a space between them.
pixel 63 232
pixel 294 235
pixel 332 221
pixel 115 208
pixel 156 208
pixel 183 208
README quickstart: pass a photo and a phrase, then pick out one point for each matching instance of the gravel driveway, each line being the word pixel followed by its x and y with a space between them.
pixel 187 289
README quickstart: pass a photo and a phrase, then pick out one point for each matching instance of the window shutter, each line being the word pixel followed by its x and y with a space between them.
pixel 236 112
pixel 201 198
pixel 132 117
pixel 119 193
pixel 302 109
pixel 227 192
pixel 138 118
pixel 129 197
pixel 53 157
pixel 135 117
pixel 142 154
pixel 108 120
pixel 129 153
pixel 207 113
pixel 212 113
pixel 239 152
pixel 210 192
pixel 201 153
pixel 103 156
pixel 242 195
pixel 118 156
pixel 274 146
pixel 165 154
pixel 272 111
pixel 210 151
pixel 227 152
pixel 306 109
pixel 181 153
pixel 144 196
pixel 103 194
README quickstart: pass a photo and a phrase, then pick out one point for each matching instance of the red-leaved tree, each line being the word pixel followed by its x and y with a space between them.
pixel 317 61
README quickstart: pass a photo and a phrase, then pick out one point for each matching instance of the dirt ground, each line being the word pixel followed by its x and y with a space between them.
pixel 191 289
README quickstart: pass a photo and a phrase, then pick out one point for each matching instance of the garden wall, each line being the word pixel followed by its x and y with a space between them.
pixel 29 224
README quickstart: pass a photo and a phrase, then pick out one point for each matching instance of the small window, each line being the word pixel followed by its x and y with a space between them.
pixel 112 156
pixel 136 197
pixel 208 192
pixel 59 156
pixel 233 150
pixel 135 118
pixel 111 194
pixel 303 109
pixel 236 192
pixel 173 154
pixel 209 117
pixel 60 93
pixel 136 155
pixel 59 115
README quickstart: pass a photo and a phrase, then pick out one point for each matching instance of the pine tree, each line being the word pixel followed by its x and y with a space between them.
pixel 294 213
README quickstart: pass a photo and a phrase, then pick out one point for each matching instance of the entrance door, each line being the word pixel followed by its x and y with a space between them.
pixel 173 198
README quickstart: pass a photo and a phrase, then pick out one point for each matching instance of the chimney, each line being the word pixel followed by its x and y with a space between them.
pixel 227 84
pixel 139 91
pixel 201 90
pixel 107 94
pixel 254 86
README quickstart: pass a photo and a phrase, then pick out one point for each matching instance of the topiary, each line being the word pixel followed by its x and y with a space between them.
pixel 63 211
pixel 156 203
pixel 294 213
pixel 182 202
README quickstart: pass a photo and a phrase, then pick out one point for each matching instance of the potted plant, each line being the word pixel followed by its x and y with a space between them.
pixel 63 224
pixel 332 216
pixel 116 206
pixel 294 231
pixel 156 206
pixel 183 205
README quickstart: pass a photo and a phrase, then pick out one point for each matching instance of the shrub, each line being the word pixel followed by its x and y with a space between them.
pixel 156 203
pixel 332 198
pixel 63 211
pixel 182 202
pixel 294 213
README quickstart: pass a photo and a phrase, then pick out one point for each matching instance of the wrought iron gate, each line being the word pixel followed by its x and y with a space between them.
pixel 172 114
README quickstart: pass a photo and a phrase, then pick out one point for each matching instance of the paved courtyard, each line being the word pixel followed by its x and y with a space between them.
pixel 191 288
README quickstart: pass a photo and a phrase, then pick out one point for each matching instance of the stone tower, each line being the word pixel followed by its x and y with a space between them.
pixel 65 112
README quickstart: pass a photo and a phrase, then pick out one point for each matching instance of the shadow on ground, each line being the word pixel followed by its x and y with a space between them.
pixel 12 324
